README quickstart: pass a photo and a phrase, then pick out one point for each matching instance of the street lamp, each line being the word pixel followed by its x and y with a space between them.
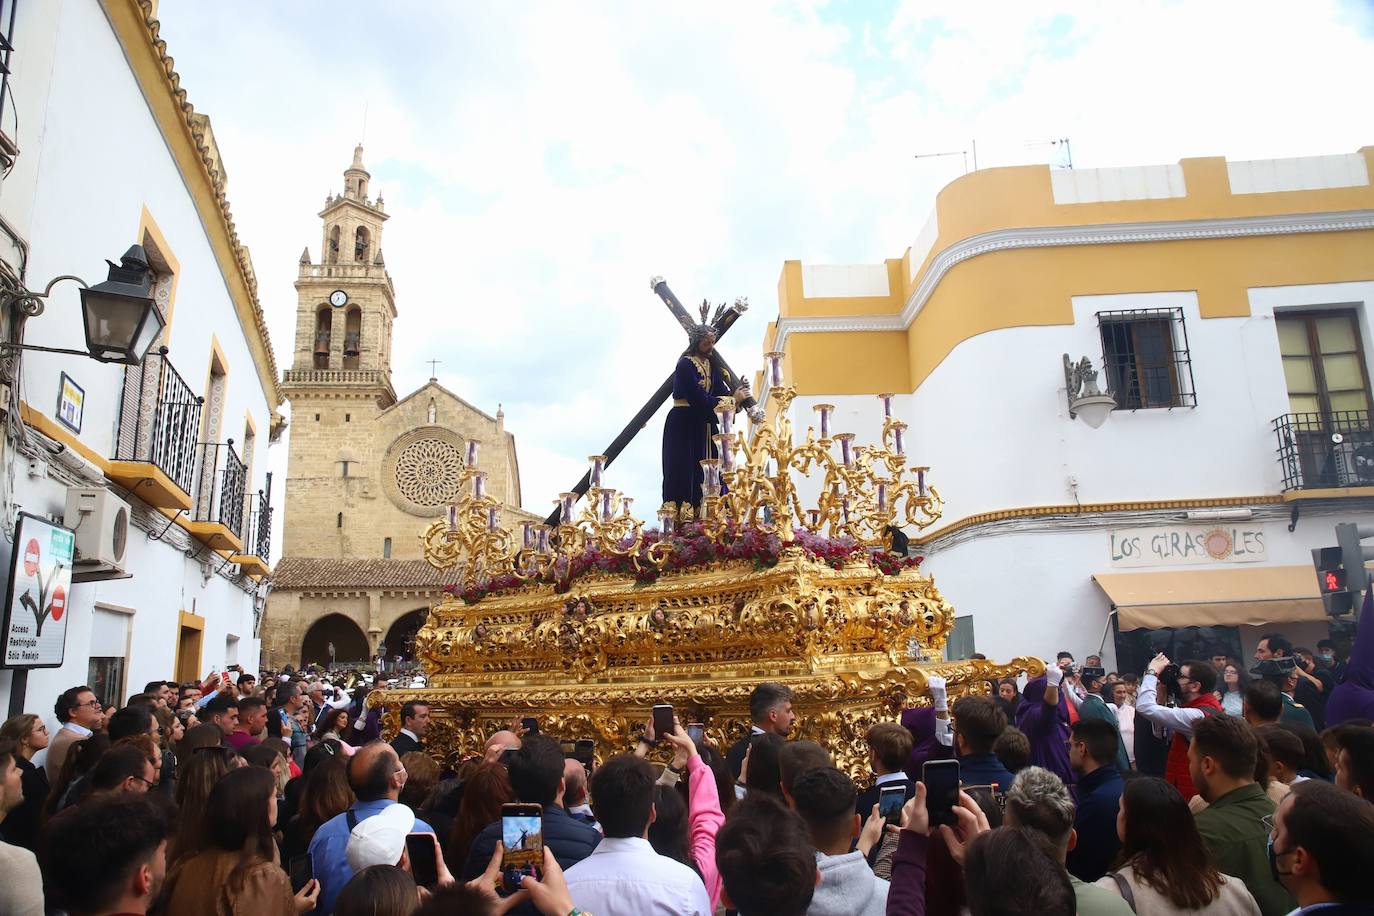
pixel 1085 399
pixel 120 317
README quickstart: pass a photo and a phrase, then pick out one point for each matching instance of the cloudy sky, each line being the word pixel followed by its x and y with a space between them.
pixel 540 161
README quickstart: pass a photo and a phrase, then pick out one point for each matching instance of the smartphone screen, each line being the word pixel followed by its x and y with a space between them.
pixel 697 732
pixel 522 835
pixel 942 790
pixel 530 724
pixel 890 801
pixel 424 868
pixel 302 870
pixel 663 720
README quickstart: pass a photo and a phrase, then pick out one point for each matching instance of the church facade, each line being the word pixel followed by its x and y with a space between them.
pixel 367 471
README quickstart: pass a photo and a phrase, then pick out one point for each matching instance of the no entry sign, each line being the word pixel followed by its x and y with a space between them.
pixel 35 628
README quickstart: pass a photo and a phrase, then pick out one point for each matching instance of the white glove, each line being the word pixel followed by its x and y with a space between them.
pixel 1054 675
pixel 935 686
pixel 944 732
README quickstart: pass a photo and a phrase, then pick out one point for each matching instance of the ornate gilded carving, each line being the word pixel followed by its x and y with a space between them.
pixel 591 663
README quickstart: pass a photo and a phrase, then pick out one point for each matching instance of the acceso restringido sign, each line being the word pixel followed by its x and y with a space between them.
pixel 37 597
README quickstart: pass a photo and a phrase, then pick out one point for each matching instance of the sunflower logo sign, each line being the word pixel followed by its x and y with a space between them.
pixel 35 630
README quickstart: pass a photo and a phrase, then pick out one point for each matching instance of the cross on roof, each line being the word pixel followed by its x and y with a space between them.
pixel 433 375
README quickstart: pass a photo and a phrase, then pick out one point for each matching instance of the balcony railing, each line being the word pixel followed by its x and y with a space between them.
pixel 1322 450
pixel 223 480
pixel 258 540
pixel 159 420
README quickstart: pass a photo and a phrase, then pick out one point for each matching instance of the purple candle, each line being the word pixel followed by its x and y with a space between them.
pixel 921 481
pixel 898 435
pixel 607 505
pixel 774 369
pixel 887 405
pixel 813 519
pixel 881 486
pixel 846 441
pixel 566 501
pixel 542 540
pixel 625 502
pixel 452 518
pixel 479 485
pixel 529 534
pixel 493 518
pixel 597 471
pixel 470 452
pixel 727 452
pixel 825 410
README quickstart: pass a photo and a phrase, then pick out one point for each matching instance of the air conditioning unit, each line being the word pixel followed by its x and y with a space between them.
pixel 101 522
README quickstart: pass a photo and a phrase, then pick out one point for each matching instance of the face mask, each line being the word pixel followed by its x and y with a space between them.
pixel 1328 656
pixel 1274 861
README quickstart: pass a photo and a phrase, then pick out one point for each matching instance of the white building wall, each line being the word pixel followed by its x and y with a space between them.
pixel 92 158
pixel 992 422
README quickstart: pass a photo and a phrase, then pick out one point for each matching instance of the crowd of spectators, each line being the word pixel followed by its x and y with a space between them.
pixel 1197 787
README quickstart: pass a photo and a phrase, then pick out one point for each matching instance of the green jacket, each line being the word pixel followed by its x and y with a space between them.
pixel 1094 707
pixel 1092 900
pixel 1295 713
pixel 1234 831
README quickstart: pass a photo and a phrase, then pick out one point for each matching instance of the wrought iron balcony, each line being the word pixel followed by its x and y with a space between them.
pixel 1325 450
pixel 159 421
pixel 219 516
pixel 255 558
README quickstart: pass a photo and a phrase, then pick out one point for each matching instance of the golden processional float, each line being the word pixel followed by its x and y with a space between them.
pixel 589 623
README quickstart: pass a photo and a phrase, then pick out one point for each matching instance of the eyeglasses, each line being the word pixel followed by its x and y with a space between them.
pixel 92 704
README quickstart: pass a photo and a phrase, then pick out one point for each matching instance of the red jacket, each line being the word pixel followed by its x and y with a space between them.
pixel 1176 769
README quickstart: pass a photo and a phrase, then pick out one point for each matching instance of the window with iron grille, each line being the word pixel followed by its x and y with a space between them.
pixel 1146 355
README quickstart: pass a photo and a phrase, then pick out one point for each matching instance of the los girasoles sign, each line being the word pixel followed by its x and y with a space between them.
pixel 35 628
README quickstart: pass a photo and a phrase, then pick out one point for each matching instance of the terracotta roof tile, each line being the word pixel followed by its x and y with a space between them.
pixel 308 572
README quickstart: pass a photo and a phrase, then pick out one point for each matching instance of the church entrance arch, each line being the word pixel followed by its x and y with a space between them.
pixel 400 638
pixel 350 644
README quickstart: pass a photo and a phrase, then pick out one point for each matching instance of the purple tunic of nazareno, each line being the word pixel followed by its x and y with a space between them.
pixel 1047 728
pixel 1353 698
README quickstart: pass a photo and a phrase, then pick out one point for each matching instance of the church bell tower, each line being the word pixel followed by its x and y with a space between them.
pixel 346 303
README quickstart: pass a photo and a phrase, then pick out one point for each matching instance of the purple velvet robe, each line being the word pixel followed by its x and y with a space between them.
pixel 1047 727
pixel 687 431
pixel 1353 698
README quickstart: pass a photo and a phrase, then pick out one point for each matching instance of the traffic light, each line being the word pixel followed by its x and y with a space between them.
pixel 1341 576
pixel 1331 581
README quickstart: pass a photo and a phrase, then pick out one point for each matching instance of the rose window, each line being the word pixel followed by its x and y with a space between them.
pixel 427 472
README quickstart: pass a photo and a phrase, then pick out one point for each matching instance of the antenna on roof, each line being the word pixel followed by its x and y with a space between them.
pixel 956 152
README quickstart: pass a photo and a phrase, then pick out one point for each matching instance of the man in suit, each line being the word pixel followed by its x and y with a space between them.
pixel 770 708
pixel 414 725
pixel 80 714
pixel 889 746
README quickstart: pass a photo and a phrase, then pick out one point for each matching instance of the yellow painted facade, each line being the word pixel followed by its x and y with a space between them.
pixel 1028 286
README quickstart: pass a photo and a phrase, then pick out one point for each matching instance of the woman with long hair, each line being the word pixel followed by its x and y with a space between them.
pixel 668 830
pixel 236 870
pixel 170 732
pixel 1231 689
pixel 324 794
pixel 30 736
pixel 331 725
pixel 487 789
pixel 1164 866
pixel 199 775
pixel 80 761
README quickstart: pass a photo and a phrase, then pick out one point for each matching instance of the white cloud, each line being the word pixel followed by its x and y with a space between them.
pixel 541 161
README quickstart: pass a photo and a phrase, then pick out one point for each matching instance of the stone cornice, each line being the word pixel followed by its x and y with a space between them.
pixel 1061 236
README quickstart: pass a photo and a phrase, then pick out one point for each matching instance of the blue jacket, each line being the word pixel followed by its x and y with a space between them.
pixel 570 839
pixel 984 769
pixel 1099 797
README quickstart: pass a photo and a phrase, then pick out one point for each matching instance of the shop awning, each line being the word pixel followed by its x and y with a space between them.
pixel 1249 595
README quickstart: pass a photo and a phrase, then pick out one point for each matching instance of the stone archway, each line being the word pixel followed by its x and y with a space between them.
pixel 350 643
pixel 400 637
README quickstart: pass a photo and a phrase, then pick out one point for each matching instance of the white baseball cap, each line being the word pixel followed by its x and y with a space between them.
pixel 381 838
